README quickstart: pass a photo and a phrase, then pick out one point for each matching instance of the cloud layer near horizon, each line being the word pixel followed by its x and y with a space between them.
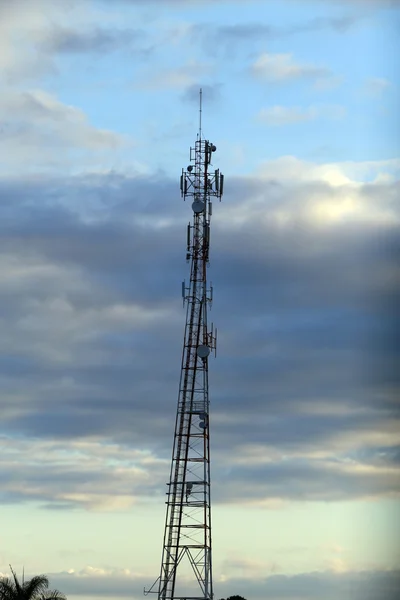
pixel 94 582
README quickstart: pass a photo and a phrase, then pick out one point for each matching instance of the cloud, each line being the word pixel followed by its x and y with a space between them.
pixel 289 168
pixel 22 56
pixel 376 86
pixel 127 583
pixel 308 479
pixel 236 567
pixel 99 40
pixel 303 254
pixel 39 129
pixel 339 24
pixel 32 41
pixel 87 474
pixel 280 68
pixel 276 116
pixel 229 36
pixel 309 586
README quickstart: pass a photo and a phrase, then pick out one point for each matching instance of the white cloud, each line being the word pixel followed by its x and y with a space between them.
pixel 23 25
pixel 38 130
pixel 285 115
pixel 376 86
pixel 283 67
pixel 277 116
pixel 333 193
pixel 41 131
pixel 248 568
pixel 288 168
pixel 90 474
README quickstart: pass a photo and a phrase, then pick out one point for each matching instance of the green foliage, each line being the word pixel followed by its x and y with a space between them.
pixel 34 589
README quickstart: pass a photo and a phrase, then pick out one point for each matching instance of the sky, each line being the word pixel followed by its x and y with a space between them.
pixel 98 111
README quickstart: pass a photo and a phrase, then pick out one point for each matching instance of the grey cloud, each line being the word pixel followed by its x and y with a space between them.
pixel 364 585
pixel 76 476
pixel 92 319
pixel 304 480
pixel 96 40
pixel 262 32
pixel 339 24
pixel 230 38
pixel 63 473
pixel 384 455
pixel 330 586
pixel 243 31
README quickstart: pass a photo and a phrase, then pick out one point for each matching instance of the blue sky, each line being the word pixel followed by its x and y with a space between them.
pixel 99 107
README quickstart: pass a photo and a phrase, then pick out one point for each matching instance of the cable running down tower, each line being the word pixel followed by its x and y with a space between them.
pixel 186 569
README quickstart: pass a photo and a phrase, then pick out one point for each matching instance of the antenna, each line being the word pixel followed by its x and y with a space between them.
pixel 200 111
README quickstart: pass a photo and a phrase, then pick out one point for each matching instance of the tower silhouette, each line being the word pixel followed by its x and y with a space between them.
pixel 186 565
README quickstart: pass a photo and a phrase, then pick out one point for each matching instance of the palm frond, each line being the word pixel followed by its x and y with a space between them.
pixel 18 588
pixel 52 595
pixel 7 589
pixel 35 587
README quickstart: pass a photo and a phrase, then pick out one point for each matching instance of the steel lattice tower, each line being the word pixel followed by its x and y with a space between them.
pixel 187 537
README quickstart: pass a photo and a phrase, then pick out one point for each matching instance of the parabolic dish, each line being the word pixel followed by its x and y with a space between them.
pixel 198 206
pixel 203 351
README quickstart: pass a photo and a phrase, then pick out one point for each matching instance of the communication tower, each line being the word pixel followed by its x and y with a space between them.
pixel 186 568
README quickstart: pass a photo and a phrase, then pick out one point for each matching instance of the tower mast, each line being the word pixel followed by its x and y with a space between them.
pixel 186 556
